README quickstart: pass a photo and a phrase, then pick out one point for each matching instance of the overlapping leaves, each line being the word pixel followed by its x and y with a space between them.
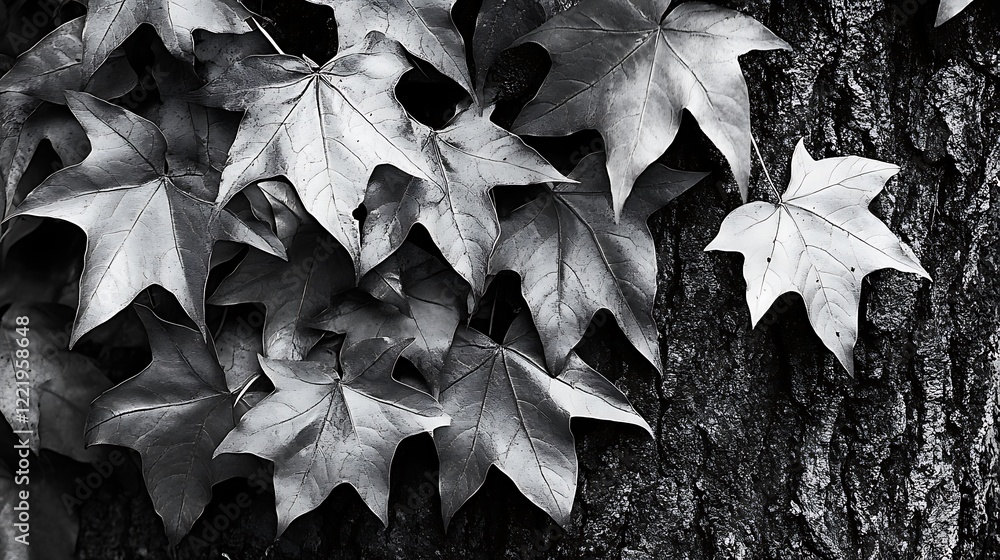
pixel 332 183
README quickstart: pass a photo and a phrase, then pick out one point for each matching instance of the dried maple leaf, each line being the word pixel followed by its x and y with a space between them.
pixel 625 69
pixel 820 241
pixel 325 129
pixel 423 27
pixel 323 428
pixel 141 228
pixel 174 413
pixel 60 383
pixel 950 9
pixel 508 412
pixel 574 259
pixel 470 156
pixel 110 22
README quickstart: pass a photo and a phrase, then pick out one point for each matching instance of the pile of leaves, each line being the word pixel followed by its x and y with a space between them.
pixel 319 270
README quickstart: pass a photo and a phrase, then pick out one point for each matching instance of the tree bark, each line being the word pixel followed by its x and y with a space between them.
pixel 764 447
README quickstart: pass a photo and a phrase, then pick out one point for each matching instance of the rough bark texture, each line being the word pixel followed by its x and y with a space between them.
pixel 764 447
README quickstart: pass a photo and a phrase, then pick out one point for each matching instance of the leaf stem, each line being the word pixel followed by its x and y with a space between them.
pixel 267 35
pixel 492 312
pixel 763 166
pixel 245 388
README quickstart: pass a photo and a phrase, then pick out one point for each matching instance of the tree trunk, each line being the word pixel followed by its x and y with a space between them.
pixel 764 447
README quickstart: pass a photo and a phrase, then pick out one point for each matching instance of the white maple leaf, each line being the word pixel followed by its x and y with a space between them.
pixel 819 241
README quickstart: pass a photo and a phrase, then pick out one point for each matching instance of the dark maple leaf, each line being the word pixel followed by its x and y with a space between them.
pixel 294 292
pixel 508 412
pixel 52 66
pixel 498 25
pixel 322 427
pixel 174 413
pixel 433 296
pixel 44 73
pixel 574 259
pixel 110 22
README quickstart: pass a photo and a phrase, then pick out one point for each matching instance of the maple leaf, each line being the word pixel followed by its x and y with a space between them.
pixel 323 428
pixel 508 412
pixel 433 295
pixel 950 9
pixel 52 66
pixel 110 22
pixel 141 228
pixel 471 156
pixel 43 73
pixel 47 122
pixel 625 69
pixel 15 109
pixel 174 413
pixel 59 386
pixel 423 27
pixel 574 259
pixel 294 293
pixel 819 241
pixel 325 129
